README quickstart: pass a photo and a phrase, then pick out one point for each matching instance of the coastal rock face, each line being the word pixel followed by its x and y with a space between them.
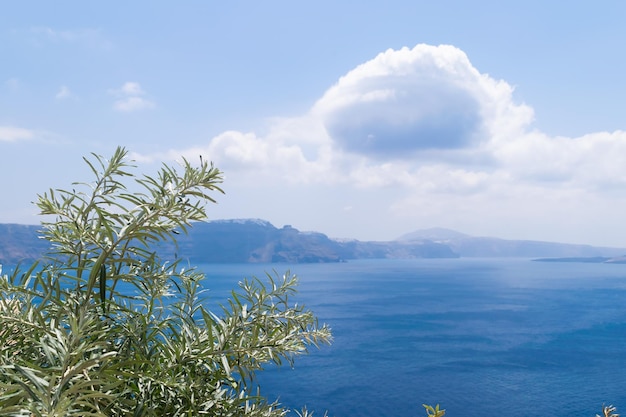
pixel 237 241
pixel 252 240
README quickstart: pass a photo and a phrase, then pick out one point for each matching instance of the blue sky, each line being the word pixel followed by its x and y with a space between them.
pixel 358 119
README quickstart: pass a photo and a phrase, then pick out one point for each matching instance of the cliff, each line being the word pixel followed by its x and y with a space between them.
pixel 241 241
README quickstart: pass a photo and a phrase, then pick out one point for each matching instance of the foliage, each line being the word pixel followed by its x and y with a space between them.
pixel 608 411
pixel 434 411
pixel 103 326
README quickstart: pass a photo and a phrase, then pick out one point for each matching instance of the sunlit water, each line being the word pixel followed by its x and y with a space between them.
pixel 482 337
pixel 486 337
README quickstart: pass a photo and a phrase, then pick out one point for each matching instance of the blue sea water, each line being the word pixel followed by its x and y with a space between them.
pixel 481 337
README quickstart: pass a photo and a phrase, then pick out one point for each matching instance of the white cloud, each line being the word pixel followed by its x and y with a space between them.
pixel 595 160
pixel 131 104
pixel 128 89
pixel 253 157
pixel 131 89
pixel 130 98
pixel 407 101
pixel 13 134
pixel 440 140
pixel 421 117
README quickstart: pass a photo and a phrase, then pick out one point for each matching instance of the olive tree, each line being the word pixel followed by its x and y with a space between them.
pixel 103 326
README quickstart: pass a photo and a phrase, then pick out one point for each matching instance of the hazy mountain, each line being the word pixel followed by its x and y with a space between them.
pixel 433 233
pixel 472 246
pixel 254 240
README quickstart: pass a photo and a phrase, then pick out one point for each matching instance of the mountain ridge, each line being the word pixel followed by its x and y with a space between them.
pixel 258 241
pixel 483 246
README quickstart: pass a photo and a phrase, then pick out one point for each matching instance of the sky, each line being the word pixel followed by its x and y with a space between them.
pixel 357 119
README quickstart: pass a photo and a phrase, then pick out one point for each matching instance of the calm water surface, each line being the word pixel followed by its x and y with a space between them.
pixel 482 337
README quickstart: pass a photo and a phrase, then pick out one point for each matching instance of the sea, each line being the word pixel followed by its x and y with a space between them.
pixel 480 337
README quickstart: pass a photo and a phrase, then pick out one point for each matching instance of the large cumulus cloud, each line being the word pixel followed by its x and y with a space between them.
pixel 410 100
pixel 420 117
pixel 439 140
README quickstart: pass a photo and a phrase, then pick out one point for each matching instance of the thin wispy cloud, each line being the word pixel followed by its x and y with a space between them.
pixel 131 104
pixel 14 134
pixel 88 37
pixel 64 93
pixel 12 84
pixel 131 89
pixel 131 98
